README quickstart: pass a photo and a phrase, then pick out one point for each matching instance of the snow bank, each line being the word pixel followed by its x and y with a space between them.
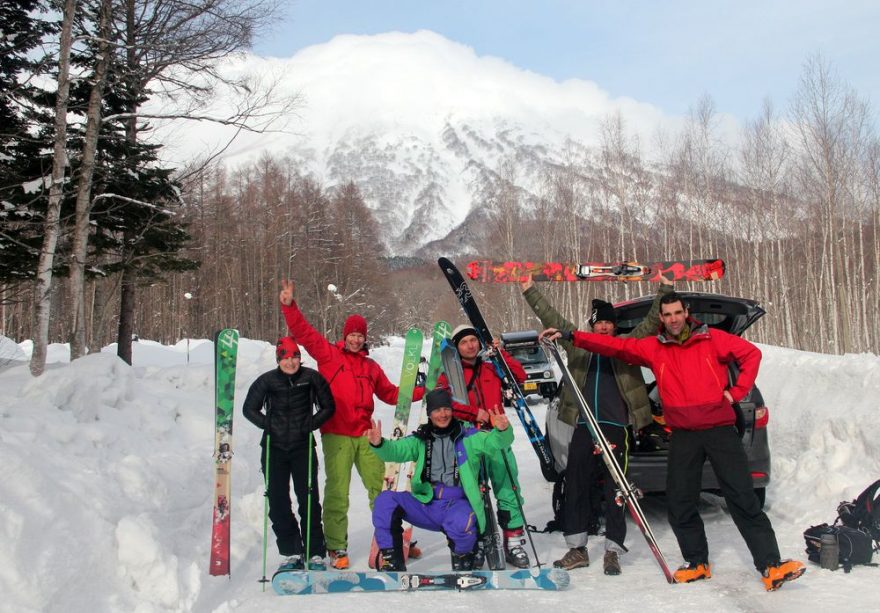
pixel 105 493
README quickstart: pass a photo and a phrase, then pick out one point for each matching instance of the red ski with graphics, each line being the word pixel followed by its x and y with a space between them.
pixel 515 272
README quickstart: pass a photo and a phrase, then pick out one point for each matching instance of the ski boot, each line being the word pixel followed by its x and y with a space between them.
pixel 462 561
pixel 294 562
pixel 514 548
pixel 777 574
pixel 693 572
pixel 479 553
pixel 339 559
pixel 387 560
pixel 414 552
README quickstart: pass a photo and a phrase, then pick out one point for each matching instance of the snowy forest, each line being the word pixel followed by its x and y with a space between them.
pixel 101 241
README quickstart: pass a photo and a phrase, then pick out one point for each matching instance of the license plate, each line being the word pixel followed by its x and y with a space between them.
pixel 529 387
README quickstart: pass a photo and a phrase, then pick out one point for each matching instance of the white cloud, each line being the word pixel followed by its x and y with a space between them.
pixel 414 82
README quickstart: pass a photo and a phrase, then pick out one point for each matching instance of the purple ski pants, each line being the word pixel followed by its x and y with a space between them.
pixel 449 512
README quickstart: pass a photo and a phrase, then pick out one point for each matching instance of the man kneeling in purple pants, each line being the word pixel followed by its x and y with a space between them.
pixel 445 490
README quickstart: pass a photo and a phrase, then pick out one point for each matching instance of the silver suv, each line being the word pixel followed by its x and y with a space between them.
pixel 524 346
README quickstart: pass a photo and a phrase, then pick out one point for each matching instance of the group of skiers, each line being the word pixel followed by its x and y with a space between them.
pixel 690 363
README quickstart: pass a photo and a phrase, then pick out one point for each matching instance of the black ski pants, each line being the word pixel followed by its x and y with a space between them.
pixel 583 467
pixel 688 451
pixel 285 465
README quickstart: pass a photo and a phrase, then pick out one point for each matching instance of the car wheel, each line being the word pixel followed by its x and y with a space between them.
pixel 761 493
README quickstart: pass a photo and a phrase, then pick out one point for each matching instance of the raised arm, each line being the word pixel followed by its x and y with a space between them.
pixel 305 334
pixel 651 323
pixel 550 317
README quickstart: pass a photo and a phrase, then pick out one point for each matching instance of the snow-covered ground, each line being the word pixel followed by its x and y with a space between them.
pixel 106 483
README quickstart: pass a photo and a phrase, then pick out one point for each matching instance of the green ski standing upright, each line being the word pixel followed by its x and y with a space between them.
pixel 225 352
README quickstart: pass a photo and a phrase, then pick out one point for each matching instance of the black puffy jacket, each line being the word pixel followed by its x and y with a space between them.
pixel 286 401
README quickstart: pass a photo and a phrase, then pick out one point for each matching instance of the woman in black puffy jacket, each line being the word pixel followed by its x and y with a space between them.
pixel 280 402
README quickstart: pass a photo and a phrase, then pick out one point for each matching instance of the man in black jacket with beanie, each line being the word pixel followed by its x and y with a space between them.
pixel 280 402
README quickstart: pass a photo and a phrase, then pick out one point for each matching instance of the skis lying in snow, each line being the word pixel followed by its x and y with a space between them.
pixel 292 582
pixel 517 272
pixel 627 495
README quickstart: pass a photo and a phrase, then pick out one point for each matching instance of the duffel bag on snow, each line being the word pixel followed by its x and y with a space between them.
pixel 855 547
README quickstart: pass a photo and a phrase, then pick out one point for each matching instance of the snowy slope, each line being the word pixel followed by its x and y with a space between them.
pixel 106 484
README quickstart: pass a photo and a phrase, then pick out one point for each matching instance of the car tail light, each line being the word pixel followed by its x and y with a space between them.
pixel 762 416
pixel 758 475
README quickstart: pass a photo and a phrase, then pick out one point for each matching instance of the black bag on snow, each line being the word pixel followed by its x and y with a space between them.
pixel 854 545
pixel 863 513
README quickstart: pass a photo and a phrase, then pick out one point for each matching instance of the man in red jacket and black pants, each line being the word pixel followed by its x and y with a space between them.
pixel 689 361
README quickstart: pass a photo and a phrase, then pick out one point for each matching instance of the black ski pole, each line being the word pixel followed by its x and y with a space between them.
pixel 266 430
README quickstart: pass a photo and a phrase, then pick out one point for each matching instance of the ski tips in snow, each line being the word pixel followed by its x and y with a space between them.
pixel 330 582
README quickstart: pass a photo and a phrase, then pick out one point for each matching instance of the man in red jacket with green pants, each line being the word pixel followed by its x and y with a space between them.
pixel 354 378
pixel 690 361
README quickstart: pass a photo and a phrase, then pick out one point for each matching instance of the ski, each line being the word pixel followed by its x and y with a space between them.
pixel 292 582
pixel 225 352
pixel 454 372
pixel 472 311
pixel 627 493
pixel 517 272
pixel 412 353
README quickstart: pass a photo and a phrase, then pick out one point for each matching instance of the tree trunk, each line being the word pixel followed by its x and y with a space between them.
pixel 84 187
pixel 43 285
pixel 126 315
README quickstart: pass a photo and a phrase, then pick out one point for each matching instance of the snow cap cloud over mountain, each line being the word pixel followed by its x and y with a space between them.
pixel 414 82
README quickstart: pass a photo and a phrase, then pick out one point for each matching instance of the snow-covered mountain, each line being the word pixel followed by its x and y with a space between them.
pixel 421 123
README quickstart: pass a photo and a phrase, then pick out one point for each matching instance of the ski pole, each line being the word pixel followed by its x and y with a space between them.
pixel 265 509
pixel 309 504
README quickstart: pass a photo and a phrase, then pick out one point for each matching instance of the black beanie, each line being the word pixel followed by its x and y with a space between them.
pixel 437 398
pixel 602 311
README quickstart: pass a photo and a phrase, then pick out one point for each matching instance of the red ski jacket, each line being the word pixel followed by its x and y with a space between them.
pixel 691 376
pixel 353 377
pixel 484 388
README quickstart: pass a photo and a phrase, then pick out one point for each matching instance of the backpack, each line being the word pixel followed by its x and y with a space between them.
pixel 858 536
pixel 863 513
pixel 854 545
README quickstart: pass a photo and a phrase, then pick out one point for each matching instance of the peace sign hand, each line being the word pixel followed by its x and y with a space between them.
pixel 286 295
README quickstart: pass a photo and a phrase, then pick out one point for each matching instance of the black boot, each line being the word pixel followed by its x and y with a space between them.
pixel 388 560
pixel 462 561
pixel 479 553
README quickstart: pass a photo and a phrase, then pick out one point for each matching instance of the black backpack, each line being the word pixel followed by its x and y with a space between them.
pixel 863 513
pixel 854 546
pixel 858 536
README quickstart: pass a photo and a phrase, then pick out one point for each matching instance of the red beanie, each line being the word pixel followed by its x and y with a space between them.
pixel 354 323
pixel 286 347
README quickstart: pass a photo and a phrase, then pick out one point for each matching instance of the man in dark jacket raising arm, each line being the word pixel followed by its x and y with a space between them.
pixel 280 403
pixel 689 361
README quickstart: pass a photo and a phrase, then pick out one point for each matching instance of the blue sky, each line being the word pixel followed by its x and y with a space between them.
pixel 664 52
